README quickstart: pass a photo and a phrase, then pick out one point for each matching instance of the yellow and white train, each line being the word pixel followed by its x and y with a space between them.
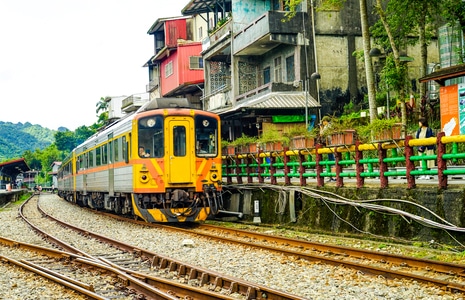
pixel 161 163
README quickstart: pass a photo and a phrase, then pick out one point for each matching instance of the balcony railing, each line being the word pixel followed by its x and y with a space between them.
pixel 133 102
pixel 268 88
pixel 153 84
pixel 253 38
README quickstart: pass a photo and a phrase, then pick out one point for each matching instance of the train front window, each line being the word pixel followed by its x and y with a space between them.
pixel 206 136
pixel 151 142
pixel 179 134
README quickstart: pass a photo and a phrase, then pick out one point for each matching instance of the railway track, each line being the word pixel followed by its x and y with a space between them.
pixel 448 276
pixel 142 266
pixel 295 261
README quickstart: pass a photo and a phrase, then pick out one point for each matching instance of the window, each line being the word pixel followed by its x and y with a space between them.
pixel 266 75
pixel 98 157
pixel 206 140
pixel 151 143
pixel 91 158
pixel 278 75
pixel 117 145
pixel 104 155
pixel 195 62
pixel 179 134
pixel 200 33
pixel 290 69
pixel 124 148
pixel 169 69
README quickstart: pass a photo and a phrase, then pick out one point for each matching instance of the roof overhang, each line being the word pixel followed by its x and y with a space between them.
pixel 444 74
pixel 273 101
pixel 206 6
pixel 14 167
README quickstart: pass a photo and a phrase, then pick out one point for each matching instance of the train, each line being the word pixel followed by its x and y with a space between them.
pixel 161 163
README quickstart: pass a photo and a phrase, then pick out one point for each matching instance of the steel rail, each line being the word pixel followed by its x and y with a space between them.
pixel 437 266
pixel 390 274
pixel 149 291
pixel 72 284
pixel 204 276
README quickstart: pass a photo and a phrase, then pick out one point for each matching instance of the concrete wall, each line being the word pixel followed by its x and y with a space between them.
pixel 314 214
pixel 6 197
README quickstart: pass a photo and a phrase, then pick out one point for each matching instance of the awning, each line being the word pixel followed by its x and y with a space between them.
pixel 14 167
pixel 443 74
pixel 195 7
pixel 275 100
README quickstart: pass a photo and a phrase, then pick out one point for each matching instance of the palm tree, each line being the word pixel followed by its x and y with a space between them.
pixel 367 58
pixel 102 104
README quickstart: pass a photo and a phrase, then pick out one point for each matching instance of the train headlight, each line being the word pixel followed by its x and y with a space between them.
pixel 144 178
pixel 214 176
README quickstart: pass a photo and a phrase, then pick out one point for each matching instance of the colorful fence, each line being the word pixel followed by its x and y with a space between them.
pixel 383 160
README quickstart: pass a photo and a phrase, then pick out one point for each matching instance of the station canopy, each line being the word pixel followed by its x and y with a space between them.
pixel 14 167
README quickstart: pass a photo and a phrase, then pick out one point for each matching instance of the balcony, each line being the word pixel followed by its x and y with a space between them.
pixel 132 103
pixel 268 32
pixel 153 84
pixel 268 88
pixel 217 42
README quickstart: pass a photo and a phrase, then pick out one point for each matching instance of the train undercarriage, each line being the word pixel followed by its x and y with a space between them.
pixel 175 205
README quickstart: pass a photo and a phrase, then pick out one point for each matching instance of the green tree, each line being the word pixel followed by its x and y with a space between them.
pixel 395 32
pixel 83 133
pixel 32 160
pixel 65 140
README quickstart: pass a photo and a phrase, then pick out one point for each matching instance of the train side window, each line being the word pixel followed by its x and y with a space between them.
pixel 116 145
pixel 98 156
pixel 104 154
pixel 125 149
pixel 91 158
pixel 179 140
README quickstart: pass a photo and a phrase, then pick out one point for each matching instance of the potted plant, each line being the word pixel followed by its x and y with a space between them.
pixel 382 130
pixel 227 148
pixel 273 140
pixel 340 132
pixel 301 138
pixel 245 144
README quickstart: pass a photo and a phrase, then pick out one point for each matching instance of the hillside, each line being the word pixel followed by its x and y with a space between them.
pixel 17 138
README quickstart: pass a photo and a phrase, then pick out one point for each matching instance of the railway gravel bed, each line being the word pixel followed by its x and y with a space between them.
pixel 307 279
pixel 15 283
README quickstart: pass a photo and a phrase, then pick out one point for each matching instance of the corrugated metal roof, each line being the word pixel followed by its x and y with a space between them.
pixel 283 100
pixel 445 73
pixel 276 100
pixel 204 6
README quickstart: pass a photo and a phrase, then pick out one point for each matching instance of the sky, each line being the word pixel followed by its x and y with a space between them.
pixel 59 57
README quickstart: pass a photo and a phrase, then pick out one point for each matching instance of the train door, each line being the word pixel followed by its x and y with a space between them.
pixel 181 147
pixel 84 162
pixel 111 170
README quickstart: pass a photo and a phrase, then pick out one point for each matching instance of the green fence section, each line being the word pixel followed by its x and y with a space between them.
pixel 396 158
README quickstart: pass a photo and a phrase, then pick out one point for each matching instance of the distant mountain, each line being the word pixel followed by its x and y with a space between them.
pixel 17 138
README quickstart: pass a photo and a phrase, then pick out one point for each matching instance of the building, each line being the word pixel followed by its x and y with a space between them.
pixel 176 68
pixel 262 67
pixel 55 166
